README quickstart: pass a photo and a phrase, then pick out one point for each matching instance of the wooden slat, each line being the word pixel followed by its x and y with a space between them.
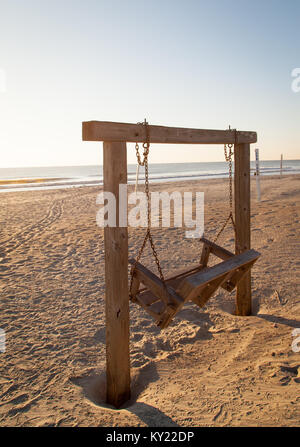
pixel 184 272
pixel 161 313
pixel 148 309
pixel 116 278
pixel 158 308
pixel 176 280
pixel 217 250
pixel 150 280
pixel 191 285
pixel 147 298
pixel 111 131
pixel 236 277
pixel 175 283
pixel 154 283
pixel 135 287
pixel 242 221
pixel 209 290
pixel 204 255
pixel 167 317
pixel 178 275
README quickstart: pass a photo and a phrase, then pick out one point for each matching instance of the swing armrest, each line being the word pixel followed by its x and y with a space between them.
pixel 216 250
pixel 153 283
pixel 193 284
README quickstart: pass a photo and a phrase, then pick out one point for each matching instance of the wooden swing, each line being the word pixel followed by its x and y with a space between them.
pixel 115 137
pixel 163 298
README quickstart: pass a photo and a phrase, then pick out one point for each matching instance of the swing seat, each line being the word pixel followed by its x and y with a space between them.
pixel 197 284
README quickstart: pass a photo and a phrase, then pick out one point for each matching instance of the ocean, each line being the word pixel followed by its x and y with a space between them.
pixel 36 178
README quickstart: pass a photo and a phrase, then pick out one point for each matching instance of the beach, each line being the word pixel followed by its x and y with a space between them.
pixel 209 368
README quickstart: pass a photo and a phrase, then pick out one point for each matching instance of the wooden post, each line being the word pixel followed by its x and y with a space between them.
pixel 281 159
pixel 242 221
pixel 116 277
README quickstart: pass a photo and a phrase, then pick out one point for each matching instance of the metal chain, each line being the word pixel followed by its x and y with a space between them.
pixel 146 147
pixel 228 157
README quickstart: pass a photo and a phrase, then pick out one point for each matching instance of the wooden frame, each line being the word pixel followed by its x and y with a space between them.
pixel 116 292
pixel 115 136
pixel 134 133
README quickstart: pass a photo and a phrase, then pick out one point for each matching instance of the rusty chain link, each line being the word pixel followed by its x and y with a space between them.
pixel 228 157
pixel 146 147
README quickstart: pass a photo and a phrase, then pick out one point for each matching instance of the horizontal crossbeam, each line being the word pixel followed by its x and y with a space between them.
pixel 136 133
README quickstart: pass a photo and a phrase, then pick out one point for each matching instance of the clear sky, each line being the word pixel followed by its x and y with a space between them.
pixel 187 63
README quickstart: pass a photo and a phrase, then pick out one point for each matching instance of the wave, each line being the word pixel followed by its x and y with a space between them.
pixel 24 179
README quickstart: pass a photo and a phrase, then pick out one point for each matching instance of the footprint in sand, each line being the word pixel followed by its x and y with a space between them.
pixel 282 373
pixel 53 214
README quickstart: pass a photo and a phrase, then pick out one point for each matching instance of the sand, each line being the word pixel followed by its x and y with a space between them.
pixel 209 368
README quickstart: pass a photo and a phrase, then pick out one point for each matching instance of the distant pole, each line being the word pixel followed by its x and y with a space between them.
pixel 257 174
pixel 281 159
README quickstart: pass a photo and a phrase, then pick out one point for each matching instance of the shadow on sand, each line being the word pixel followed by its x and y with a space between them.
pixel 93 386
pixel 280 320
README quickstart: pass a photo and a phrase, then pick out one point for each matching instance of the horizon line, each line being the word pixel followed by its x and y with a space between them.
pixel 155 163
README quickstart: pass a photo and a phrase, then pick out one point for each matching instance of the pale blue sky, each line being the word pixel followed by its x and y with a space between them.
pixel 189 63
